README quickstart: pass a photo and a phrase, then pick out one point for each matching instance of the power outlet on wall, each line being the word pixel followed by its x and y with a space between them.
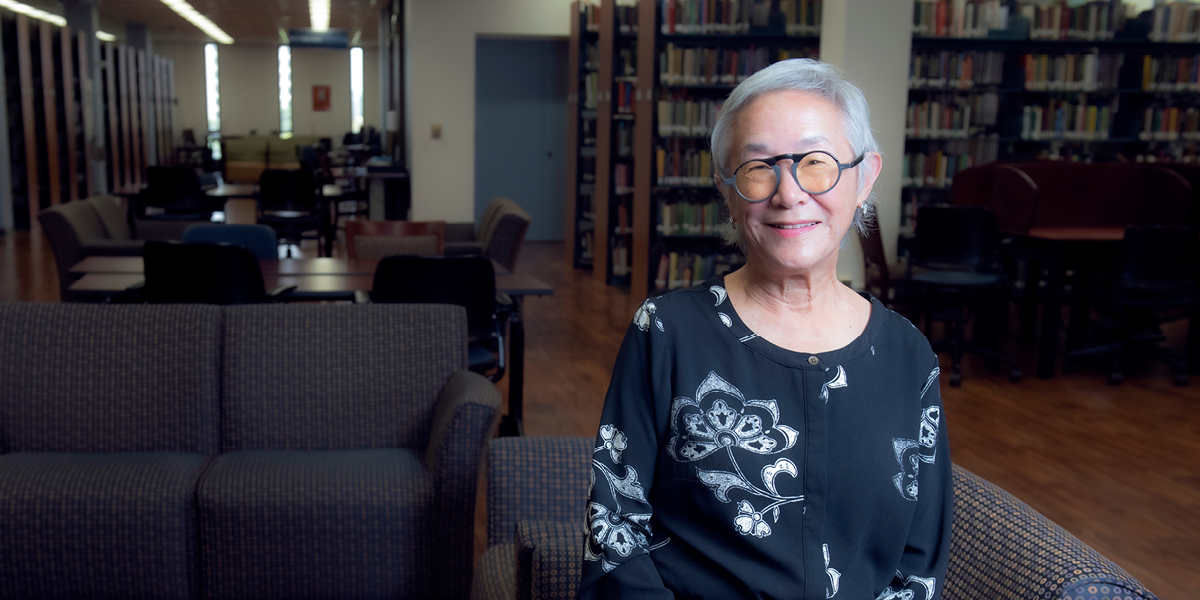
pixel 436 131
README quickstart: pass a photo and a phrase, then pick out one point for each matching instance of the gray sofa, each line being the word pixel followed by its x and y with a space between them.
pixel 1000 547
pixel 98 226
pixel 283 451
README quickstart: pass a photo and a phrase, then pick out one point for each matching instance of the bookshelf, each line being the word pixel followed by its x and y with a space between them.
pixel 699 57
pixel 582 104
pixel 1087 82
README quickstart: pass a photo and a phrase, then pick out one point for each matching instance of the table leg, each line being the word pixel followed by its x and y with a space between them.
pixel 512 424
pixel 1051 316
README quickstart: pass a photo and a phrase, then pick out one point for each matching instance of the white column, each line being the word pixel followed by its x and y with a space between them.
pixel 873 48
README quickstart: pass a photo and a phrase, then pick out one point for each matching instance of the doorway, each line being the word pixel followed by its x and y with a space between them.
pixel 521 129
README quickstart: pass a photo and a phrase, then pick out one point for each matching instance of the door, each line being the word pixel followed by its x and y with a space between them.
pixel 521 129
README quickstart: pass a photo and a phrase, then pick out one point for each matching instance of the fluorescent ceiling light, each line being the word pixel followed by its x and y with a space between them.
pixel 318 14
pixel 36 13
pixel 105 36
pixel 186 11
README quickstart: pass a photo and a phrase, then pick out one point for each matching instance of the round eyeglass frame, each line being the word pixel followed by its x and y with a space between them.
pixel 773 162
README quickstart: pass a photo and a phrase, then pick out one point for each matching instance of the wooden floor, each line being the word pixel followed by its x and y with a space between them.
pixel 1117 466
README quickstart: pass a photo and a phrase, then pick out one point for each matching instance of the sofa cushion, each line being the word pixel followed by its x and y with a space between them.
pixel 322 377
pixel 97 378
pixel 316 524
pixel 96 525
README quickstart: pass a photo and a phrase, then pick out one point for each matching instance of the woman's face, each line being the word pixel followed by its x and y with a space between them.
pixel 795 232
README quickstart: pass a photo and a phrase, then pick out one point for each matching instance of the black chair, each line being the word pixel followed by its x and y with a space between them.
pixel 288 201
pixel 1154 283
pixel 953 276
pixel 468 281
pixel 204 274
pixel 177 192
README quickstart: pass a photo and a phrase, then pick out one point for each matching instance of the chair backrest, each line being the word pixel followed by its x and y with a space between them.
pixel 67 228
pixel 377 239
pixel 508 234
pixel 201 274
pixel 956 238
pixel 109 378
pixel 287 190
pixel 1157 266
pixel 112 215
pixel 878 278
pixel 175 190
pixel 487 221
pixel 468 281
pixel 281 391
pixel 259 239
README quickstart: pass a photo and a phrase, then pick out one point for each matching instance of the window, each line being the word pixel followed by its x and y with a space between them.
pixel 356 90
pixel 213 98
pixel 285 92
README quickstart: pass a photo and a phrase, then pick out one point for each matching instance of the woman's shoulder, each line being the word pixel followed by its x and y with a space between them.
pixel 687 302
pixel 894 329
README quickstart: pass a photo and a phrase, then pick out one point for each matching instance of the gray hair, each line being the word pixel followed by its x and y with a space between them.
pixel 813 77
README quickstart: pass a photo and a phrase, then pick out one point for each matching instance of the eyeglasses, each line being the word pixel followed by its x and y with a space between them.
pixel 815 172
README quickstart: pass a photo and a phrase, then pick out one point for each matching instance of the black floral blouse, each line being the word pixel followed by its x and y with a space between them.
pixel 727 467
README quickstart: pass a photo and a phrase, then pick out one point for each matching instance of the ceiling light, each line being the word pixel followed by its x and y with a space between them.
pixel 318 14
pixel 36 13
pixel 105 36
pixel 186 11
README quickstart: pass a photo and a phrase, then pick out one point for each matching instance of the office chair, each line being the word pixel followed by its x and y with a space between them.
pixel 204 274
pixel 468 281
pixel 261 240
pixel 177 192
pixel 1154 282
pixel 953 277
pixel 288 202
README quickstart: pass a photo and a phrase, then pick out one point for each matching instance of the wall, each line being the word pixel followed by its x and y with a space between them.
pixel 441 89
pixel 249 77
pixel 250 88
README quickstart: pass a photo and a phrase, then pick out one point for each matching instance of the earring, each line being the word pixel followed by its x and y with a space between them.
pixel 732 223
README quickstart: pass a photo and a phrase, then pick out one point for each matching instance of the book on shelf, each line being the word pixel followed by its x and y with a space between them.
pixel 946 117
pixel 955 70
pixel 1096 20
pixel 688 218
pixel 683 162
pixel 1175 22
pixel 591 16
pixel 686 117
pixel 623 97
pixel 1066 120
pixel 620 260
pixel 625 14
pixel 1087 72
pixel 1171 73
pixel 683 66
pixel 680 270
pixel 622 220
pixel 958 18
pixel 591 90
pixel 715 17
pixel 1170 123
pixel 622 179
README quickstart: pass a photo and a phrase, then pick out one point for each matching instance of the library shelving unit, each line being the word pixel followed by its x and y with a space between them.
pixel 1086 82
pixel 656 88
pixel 698 60
pixel 583 102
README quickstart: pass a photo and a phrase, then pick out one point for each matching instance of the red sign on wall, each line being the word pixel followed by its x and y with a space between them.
pixel 321 98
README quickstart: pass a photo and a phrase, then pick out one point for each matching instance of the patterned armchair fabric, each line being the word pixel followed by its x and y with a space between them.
pixel 1001 548
pixel 351 440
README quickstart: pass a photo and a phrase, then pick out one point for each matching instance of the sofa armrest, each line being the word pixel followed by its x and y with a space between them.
pixel 460 232
pixel 548 543
pixel 1003 548
pixel 113 247
pixel 463 419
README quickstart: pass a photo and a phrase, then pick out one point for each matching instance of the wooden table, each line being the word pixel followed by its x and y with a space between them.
pixel 331 279
pixel 1057 248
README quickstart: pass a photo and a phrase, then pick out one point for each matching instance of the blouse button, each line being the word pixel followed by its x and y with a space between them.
pixel 812 360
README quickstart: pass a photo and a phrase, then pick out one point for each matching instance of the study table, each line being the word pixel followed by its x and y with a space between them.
pixel 106 277
pixel 1081 249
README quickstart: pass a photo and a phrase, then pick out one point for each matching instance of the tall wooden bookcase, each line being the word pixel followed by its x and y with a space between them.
pixel 629 194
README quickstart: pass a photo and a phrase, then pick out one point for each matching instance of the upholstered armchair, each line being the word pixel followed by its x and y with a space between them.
pixel 1000 547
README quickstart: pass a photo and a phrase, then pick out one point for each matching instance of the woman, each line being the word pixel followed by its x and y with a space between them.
pixel 771 433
